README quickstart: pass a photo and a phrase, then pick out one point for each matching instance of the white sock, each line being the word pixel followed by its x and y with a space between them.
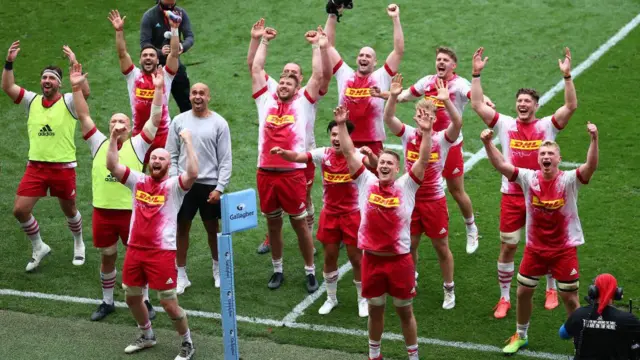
pixel 75 225
pixel 32 229
pixel 448 286
pixel 310 270
pixel 551 282
pixel 216 265
pixel 471 224
pixel 412 351
pixel 108 283
pixel 145 293
pixel 416 275
pixel 277 265
pixel 358 285
pixel 182 272
pixel 186 337
pixel 147 331
pixel 310 218
pixel 374 349
pixel 331 283
pixel 505 274
pixel 522 330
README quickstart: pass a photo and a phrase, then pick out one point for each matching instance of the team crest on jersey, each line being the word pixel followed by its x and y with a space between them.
pixel 145 93
pixel 547 204
pixel 281 120
pixel 384 202
pixel 149 199
pixel 336 178
pixel 357 93
pixel 525 144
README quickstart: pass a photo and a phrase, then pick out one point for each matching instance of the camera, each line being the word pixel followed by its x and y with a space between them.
pixel 334 5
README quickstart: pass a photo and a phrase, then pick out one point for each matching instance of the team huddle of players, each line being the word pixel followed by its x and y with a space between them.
pixel 378 218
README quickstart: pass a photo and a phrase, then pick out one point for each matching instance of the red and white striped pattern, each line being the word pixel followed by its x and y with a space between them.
pixel 108 280
pixel 75 226
pixel 31 227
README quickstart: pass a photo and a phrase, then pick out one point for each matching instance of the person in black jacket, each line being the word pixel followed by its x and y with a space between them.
pixel 599 330
pixel 153 27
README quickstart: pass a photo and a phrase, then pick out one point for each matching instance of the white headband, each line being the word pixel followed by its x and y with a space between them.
pixel 54 73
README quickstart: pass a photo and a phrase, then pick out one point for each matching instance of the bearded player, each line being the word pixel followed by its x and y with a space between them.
pixel 340 214
pixel 553 227
pixel 151 250
pixel 314 38
pixel 430 215
pixel 283 117
pixel 520 139
pixel 111 200
pixel 140 81
pixel 386 205
pixel 51 170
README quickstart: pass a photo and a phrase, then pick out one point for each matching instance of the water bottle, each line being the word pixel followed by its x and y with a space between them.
pixel 174 17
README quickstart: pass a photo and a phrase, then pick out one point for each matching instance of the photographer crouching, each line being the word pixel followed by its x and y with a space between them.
pixel 599 330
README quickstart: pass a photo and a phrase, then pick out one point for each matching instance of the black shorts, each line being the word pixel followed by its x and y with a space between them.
pixel 196 199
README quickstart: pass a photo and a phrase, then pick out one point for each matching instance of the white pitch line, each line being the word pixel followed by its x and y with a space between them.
pixel 276 323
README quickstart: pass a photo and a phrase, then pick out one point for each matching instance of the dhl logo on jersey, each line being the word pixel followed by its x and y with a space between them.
pixel 525 144
pixel 145 93
pixel 336 178
pixel 547 204
pixel 357 93
pixel 149 199
pixel 413 156
pixel 384 202
pixel 281 120
pixel 436 102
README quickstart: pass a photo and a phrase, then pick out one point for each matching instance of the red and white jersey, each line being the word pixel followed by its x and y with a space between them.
pixel 155 210
pixel 365 112
pixel 385 212
pixel 283 125
pixel 141 91
pixel 459 93
pixel 339 192
pixel 552 209
pixel 432 187
pixel 272 84
pixel 520 142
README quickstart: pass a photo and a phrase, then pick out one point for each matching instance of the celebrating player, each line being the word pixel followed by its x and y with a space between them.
pixel 354 87
pixel 283 118
pixel 520 139
pixel 52 154
pixel 139 80
pixel 553 226
pixel 151 251
pixel 111 200
pixel 340 215
pixel 386 205
pixel 319 67
pixel 430 215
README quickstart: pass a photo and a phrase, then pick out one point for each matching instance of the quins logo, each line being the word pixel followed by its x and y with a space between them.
pixel 46 131
pixel 357 93
pixel 336 178
pixel 384 202
pixel 149 199
pixel 281 120
pixel 145 93
pixel 110 178
pixel 547 204
pixel 525 144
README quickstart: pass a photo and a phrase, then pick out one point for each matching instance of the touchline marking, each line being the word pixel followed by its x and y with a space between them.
pixel 276 323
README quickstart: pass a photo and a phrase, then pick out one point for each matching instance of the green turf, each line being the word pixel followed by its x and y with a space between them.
pixel 523 41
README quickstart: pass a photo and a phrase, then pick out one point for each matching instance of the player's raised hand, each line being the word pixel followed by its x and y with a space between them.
pixel 269 34
pixel 13 51
pixel 312 37
pixel 76 77
pixel 365 150
pixel 185 135
pixel 158 78
pixel 257 30
pixel 396 85
pixel 276 150
pixel 565 65
pixel 443 90
pixel 69 54
pixel 478 62
pixel 486 136
pixel 424 121
pixel 592 130
pixel 341 114
pixel 375 91
pixel 116 20
pixel 323 40
pixel 393 10
pixel 118 130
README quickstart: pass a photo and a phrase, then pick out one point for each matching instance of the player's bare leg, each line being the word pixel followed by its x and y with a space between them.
pixel 456 189
pixel 445 259
pixel 409 329
pixel 311 218
pixel 179 318
pixel 506 270
pixel 182 248
pixel 22 211
pixel 274 229
pixel 74 220
pixel 415 242
pixel 211 226
pixel 330 273
pixel 524 307
pixel 305 243
pixel 355 257
pixel 570 300
pixel 135 302
pixel 375 327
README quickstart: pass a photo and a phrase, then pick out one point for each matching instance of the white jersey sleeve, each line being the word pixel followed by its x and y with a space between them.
pixel 418 89
pixel 68 100
pixel 25 98
pixel 343 73
pixel 140 145
pixel 409 184
pixel 131 178
pixel 363 178
pixel 383 77
pixel 524 178
pixel 95 141
pixel 272 84
pixel 168 80
pixel 317 155
pixel 550 126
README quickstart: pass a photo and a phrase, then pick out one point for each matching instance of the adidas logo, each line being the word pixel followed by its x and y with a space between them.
pixel 158 25
pixel 302 206
pixel 169 282
pixel 46 131
pixel 573 272
pixel 443 231
pixel 455 171
pixel 110 178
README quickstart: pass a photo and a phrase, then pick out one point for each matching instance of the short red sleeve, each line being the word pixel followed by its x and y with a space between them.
pixel 446 137
pixel 309 157
pixel 414 178
pixel 401 131
pixel 145 138
pixel 496 116
pixel 125 177
pixel 358 173
pixel 414 91
pixel 181 184
pixel 260 92
pixel 171 72
pixel 308 96
pixel 468 94
pixel 130 69
pixel 20 96
pixel 514 177
pixel 90 133
pixel 580 178
pixel 337 67
pixel 555 123
pixel 389 71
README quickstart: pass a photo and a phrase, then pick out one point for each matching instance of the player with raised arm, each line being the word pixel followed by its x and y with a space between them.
pixel 553 227
pixel 283 118
pixel 430 215
pixel 520 139
pixel 386 205
pixel 322 74
pixel 51 124
pixel 354 87
pixel 139 80
pixel 151 250
pixel 111 200
pixel 340 215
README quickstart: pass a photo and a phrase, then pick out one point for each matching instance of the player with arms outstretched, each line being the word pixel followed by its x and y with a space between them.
pixel 386 205
pixel 520 139
pixel 430 215
pixel 553 227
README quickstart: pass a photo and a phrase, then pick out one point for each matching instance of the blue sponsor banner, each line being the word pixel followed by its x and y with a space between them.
pixel 239 211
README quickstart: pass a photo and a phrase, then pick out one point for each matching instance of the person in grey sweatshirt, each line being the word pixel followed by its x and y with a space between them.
pixel 212 144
